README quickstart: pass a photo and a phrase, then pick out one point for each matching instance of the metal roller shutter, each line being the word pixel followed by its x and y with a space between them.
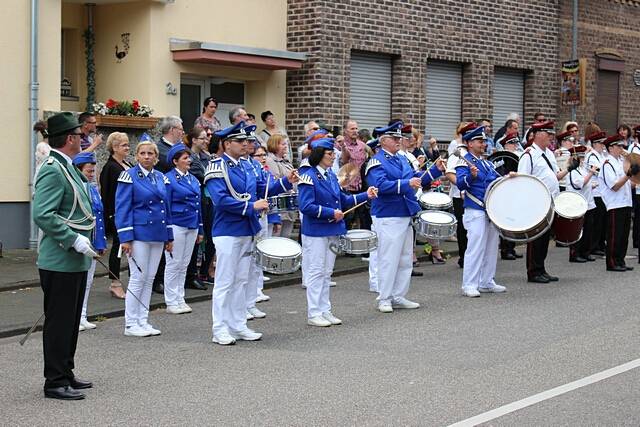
pixel 508 96
pixel 370 90
pixel 444 99
pixel 607 100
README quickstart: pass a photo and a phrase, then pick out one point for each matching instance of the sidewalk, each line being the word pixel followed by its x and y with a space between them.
pixel 21 297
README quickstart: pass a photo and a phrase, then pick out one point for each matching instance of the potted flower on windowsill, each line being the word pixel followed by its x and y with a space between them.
pixel 124 114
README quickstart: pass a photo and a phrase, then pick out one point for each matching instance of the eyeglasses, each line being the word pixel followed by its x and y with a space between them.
pixel 259 155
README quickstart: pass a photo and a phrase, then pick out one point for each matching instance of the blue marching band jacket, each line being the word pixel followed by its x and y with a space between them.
pixel 265 176
pixel 183 194
pixel 99 239
pixel 475 187
pixel 142 211
pixel 391 175
pixel 233 187
pixel 318 198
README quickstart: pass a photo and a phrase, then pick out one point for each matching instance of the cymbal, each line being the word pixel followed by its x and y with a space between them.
pixel 347 174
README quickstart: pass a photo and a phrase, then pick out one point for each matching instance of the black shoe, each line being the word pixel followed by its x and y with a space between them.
pixel 460 263
pixel 195 284
pixel 629 268
pixel 617 268
pixel 63 393
pixel 597 252
pixel 538 279
pixel 508 257
pixel 550 277
pixel 416 273
pixel 158 288
pixel 590 258
pixel 78 384
pixel 517 255
pixel 577 259
pixel 208 281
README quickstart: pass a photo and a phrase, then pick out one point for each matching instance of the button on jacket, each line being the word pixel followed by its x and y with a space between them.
pixel 183 193
pixel 99 238
pixel 142 211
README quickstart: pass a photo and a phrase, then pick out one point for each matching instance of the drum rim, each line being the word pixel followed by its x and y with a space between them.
pixel 566 194
pixel 431 211
pixel 499 182
pixel 279 256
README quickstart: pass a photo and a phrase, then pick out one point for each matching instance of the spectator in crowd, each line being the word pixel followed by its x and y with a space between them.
pixel 279 166
pixel 625 132
pixel 42 149
pixel 538 117
pixel 353 153
pixel 303 150
pixel 90 139
pixel 271 128
pixel 207 119
pixel 118 148
pixel 364 135
pixel 488 131
pixel 172 133
pixel 428 149
pixel 507 126
pixel 511 126
pixel 238 114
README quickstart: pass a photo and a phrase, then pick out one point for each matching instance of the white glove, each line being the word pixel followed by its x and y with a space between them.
pixel 83 246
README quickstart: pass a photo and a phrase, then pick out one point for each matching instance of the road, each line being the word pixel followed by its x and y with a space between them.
pixel 452 359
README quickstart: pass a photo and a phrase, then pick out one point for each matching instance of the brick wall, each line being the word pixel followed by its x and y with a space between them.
pixel 481 34
pixel 605 27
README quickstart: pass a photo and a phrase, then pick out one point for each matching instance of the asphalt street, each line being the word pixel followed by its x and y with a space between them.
pixel 452 359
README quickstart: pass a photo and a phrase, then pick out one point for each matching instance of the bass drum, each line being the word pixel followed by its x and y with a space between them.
pixel 520 207
pixel 504 162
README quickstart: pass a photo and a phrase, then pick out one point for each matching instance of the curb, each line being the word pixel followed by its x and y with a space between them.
pixel 272 284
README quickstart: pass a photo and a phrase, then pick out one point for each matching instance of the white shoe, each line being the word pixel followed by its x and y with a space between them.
pixel 471 293
pixel 250 316
pixel 246 335
pixel 318 321
pixel 303 286
pixel 404 303
pixel 81 327
pixel 152 331
pixel 331 318
pixel 136 331
pixel 332 284
pixel 175 309
pixel 185 307
pixel 84 323
pixel 375 291
pixel 496 289
pixel 257 314
pixel 365 258
pixel 385 307
pixel 262 297
pixel 223 339
pixel 265 278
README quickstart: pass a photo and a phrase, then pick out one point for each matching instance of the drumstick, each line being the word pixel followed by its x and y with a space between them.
pixel 354 207
pixel 266 193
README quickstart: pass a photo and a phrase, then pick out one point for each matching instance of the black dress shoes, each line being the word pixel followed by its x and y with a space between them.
pixel 577 259
pixel 538 279
pixel 617 268
pixel 416 273
pixel 63 393
pixel 598 252
pixel 508 257
pixel 195 284
pixel 550 277
pixel 79 384
pixel 517 255
pixel 591 258
pixel 158 288
pixel 628 268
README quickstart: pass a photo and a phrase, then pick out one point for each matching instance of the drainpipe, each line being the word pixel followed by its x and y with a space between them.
pixel 574 47
pixel 33 113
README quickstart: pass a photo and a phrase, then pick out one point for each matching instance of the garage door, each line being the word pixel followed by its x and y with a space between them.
pixel 508 96
pixel 444 99
pixel 370 90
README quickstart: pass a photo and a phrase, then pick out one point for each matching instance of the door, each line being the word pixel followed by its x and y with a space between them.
pixel 229 95
pixel 194 90
pixel 191 98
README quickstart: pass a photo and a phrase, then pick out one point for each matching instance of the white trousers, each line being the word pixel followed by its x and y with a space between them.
pixel 229 308
pixel 482 250
pixel 373 264
pixel 305 261
pixel 90 274
pixel 318 275
pixel 256 276
pixel 175 270
pixel 395 243
pixel 147 255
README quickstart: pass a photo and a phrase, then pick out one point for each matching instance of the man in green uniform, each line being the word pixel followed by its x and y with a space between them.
pixel 62 210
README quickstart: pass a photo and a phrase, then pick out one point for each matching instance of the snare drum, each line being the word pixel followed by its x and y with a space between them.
pixel 570 209
pixel 520 207
pixel 357 242
pixel 435 201
pixel 287 202
pixel 278 255
pixel 437 225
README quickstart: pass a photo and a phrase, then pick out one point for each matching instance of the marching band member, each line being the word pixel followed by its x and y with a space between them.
pixel 616 193
pixel 595 160
pixel 510 143
pixel 393 211
pixel 183 195
pixel 634 147
pixel 563 155
pixel 374 145
pixel 86 164
pixel 234 188
pixel 143 222
pixel 540 162
pixel 579 181
pixel 482 250
pixel 321 201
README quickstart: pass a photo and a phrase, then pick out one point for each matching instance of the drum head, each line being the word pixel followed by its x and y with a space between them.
pixel 437 217
pixel 570 205
pixel 360 234
pixel 279 246
pixel 435 198
pixel 518 203
pixel 504 161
